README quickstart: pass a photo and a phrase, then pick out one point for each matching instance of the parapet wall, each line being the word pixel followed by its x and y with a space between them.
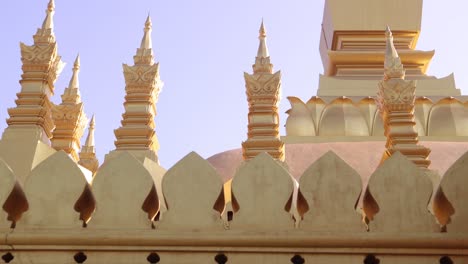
pixel 129 213
pixel 447 118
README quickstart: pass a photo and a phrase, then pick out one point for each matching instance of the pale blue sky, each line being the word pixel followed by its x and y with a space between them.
pixel 203 47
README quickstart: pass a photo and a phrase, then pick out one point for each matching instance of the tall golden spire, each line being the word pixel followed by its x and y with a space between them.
pixel 262 47
pixel 392 64
pixel 263 95
pixel 49 19
pixel 41 66
pixel 31 119
pixel 144 55
pixel 146 40
pixel 88 151
pixel 143 86
pixel 69 117
pixel 262 61
pixel 72 92
pixel 45 34
pixel 89 143
pixel 396 98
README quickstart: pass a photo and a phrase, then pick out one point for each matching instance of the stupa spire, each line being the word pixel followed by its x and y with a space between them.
pixel 74 82
pixel 45 34
pixel 392 64
pixel 31 120
pixel 71 94
pixel 69 117
pixel 143 85
pixel 262 61
pixel 144 54
pixel 49 19
pixel 396 98
pixel 41 67
pixel 262 47
pixel 88 151
pixel 146 40
pixel 90 138
pixel 263 95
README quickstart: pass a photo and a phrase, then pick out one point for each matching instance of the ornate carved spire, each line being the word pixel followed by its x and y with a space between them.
pixel 144 55
pixel 146 40
pixel 263 95
pixel 88 151
pixel 262 47
pixel 395 99
pixel 49 19
pixel 89 144
pixel 262 61
pixel 72 93
pixel 143 86
pixel 392 64
pixel 69 117
pixel 45 34
pixel 41 67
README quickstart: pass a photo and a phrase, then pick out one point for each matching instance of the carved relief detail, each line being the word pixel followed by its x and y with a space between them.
pixel 265 84
pixel 41 57
pixel 396 94
pixel 396 102
pixel 263 89
pixel 141 75
pixel 70 121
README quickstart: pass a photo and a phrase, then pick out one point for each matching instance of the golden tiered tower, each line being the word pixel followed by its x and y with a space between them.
pixel 263 94
pixel 69 117
pixel 133 211
pixel 26 140
pixel 143 86
pixel 396 97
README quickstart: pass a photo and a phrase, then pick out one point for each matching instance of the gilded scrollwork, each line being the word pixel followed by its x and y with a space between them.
pixel 397 91
pixel 67 112
pixel 141 74
pixel 36 54
pixel 263 84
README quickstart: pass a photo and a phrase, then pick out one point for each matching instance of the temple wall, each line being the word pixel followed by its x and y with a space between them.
pixel 402 214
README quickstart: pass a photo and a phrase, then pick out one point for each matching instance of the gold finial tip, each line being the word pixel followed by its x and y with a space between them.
pixel 51 5
pixel 262 29
pixel 146 40
pixel 92 122
pixel 388 32
pixel 77 61
pixel 148 22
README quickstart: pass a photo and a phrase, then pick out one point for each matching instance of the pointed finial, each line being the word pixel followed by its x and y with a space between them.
pixel 90 138
pixel 76 64
pixel 74 82
pixel 392 64
pixel 262 30
pixel 48 21
pixel 88 151
pixel 262 48
pixel 390 48
pixel 92 123
pixel 146 41
pixel 71 95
